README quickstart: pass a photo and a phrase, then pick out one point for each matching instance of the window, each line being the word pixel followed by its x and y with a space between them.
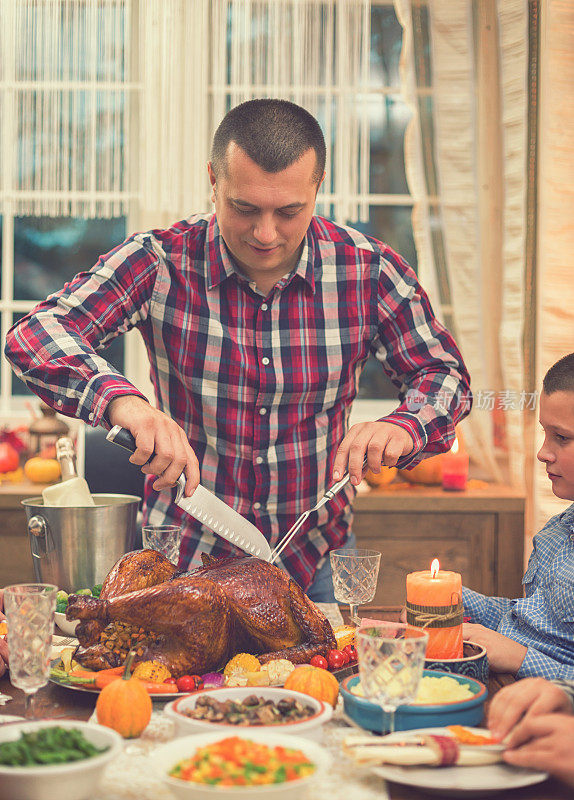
pixel 41 250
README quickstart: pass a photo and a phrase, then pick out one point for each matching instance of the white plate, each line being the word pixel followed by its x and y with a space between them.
pixel 67 626
pixel 459 781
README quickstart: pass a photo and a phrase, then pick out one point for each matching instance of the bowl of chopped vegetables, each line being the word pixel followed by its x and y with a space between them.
pixel 248 764
pixel 257 708
pixel 65 625
pixel 58 760
pixel 443 699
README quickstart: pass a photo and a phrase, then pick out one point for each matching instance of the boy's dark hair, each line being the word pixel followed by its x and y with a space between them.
pixel 273 133
pixel 560 377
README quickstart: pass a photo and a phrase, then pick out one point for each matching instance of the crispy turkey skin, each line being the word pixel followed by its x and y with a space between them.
pixel 201 619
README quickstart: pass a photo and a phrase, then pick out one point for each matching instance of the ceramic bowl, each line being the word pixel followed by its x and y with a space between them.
pixel 76 780
pixel 422 715
pixel 66 626
pixel 165 757
pixel 474 663
pixel 310 728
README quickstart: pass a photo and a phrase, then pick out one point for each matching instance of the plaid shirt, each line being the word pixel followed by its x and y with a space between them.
pixel 262 385
pixel 543 620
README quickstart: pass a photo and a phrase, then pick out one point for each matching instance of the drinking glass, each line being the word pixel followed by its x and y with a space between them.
pixel 166 539
pixel 29 609
pixel 355 572
pixel 391 662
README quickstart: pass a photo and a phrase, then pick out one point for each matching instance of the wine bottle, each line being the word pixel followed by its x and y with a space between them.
pixel 73 490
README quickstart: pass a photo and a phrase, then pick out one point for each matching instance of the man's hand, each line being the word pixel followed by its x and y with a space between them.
pixel 382 442
pixel 157 433
pixel 544 742
pixel 504 654
pixel 523 700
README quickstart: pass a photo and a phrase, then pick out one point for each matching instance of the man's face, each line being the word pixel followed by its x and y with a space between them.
pixel 557 452
pixel 263 216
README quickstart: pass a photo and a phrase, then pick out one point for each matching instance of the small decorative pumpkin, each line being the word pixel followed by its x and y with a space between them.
pixel 124 705
pixel 42 470
pixel 382 478
pixel 314 681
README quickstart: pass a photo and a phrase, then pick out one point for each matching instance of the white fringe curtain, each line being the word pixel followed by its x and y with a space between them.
pixel 109 106
pixel 65 98
pixel 210 56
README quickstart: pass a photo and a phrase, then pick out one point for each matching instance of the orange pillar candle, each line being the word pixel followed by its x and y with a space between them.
pixel 455 468
pixel 436 594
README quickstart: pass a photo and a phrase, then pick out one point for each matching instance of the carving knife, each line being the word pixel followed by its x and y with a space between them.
pixel 208 509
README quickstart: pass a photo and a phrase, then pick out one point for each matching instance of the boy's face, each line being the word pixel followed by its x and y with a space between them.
pixel 557 452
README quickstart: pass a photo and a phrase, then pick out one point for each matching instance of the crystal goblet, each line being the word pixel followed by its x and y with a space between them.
pixel 391 662
pixel 29 609
pixel 355 572
pixel 166 539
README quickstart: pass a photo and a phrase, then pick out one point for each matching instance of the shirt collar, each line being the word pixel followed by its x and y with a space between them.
pixel 220 265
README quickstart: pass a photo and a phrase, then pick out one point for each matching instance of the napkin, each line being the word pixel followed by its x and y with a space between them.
pixel 430 750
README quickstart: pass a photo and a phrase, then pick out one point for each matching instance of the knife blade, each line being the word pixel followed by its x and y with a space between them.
pixel 208 509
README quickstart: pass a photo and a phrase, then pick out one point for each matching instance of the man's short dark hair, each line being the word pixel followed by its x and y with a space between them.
pixel 560 377
pixel 273 133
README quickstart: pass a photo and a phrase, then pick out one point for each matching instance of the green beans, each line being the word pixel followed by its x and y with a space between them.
pixel 53 745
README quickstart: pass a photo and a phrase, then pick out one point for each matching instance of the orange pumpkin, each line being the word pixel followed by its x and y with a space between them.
pixel 382 478
pixel 125 705
pixel 429 470
pixel 42 470
pixel 314 681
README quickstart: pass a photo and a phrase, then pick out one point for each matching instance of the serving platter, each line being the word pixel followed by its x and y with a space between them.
pixel 463 781
pixel 94 690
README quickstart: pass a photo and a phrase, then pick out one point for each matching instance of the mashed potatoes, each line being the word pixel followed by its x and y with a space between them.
pixel 434 690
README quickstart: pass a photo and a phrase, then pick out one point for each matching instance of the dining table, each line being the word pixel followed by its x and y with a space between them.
pixel 57 702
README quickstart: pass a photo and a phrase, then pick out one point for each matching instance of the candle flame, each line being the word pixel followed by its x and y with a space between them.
pixel 454 448
pixel 434 567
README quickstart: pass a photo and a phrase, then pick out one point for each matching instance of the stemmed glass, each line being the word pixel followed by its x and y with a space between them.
pixel 166 539
pixel 391 662
pixel 355 572
pixel 29 609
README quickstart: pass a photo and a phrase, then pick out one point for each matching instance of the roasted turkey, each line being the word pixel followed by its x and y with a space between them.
pixel 196 621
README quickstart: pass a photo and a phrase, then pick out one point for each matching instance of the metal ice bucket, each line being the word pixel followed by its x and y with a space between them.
pixel 75 548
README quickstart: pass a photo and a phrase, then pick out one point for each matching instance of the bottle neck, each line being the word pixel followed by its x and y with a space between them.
pixel 67 458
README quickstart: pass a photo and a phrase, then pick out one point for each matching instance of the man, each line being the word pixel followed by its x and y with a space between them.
pixel 257 321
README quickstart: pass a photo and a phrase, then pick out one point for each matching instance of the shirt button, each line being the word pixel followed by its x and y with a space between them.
pixel 90 416
pixel 265 360
pixel 59 403
pixel 257 506
pixel 259 460
pixel 264 306
pixel 263 411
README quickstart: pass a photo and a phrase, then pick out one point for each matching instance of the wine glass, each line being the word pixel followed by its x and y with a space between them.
pixel 391 662
pixel 166 539
pixel 355 572
pixel 29 609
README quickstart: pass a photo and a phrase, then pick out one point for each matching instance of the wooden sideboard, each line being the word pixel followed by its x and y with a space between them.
pixel 478 532
pixel 15 556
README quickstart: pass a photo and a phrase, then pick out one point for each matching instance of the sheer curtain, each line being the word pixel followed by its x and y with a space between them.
pixel 478 86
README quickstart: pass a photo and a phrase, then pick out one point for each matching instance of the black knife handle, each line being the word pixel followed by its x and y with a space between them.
pixel 123 437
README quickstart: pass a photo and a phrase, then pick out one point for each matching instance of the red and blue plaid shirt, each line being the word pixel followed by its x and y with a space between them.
pixel 262 386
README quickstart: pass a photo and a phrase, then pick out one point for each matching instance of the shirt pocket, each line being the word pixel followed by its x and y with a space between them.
pixel 559 593
pixel 529 575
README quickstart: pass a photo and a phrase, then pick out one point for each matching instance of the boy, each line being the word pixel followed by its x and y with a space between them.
pixel 534 635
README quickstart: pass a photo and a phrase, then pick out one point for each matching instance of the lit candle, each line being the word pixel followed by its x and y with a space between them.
pixel 436 595
pixel 454 468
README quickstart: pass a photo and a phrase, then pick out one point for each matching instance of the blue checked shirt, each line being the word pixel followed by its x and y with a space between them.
pixel 543 620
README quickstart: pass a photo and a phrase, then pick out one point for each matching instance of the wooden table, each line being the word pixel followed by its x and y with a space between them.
pixel 56 702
